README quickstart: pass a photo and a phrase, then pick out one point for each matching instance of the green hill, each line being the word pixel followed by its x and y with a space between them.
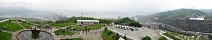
pixel 170 18
pixel 178 13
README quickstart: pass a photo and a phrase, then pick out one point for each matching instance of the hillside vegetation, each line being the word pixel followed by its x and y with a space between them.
pixel 178 13
pixel 170 18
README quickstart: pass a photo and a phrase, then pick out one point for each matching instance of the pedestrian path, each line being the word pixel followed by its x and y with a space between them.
pixel 90 35
pixel 7 31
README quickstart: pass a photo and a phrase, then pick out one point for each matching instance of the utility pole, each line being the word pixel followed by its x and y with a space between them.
pixel 61 14
pixel 82 14
pixel 74 14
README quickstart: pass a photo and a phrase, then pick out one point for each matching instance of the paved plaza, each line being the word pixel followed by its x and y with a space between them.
pixel 90 35
pixel 137 35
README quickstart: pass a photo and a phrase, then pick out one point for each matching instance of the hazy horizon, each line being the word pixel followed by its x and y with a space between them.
pixel 107 8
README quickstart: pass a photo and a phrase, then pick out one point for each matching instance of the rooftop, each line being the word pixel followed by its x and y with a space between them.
pixel 87 20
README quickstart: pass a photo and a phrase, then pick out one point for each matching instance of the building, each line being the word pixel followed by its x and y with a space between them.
pixel 85 22
pixel 196 18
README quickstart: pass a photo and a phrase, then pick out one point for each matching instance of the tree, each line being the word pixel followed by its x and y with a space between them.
pixel 105 21
pixel 135 24
pixel 146 38
pixel 162 38
pixel 9 20
pixel 63 31
pixel 127 21
pixel 123 21
pixel 1 28
pixel 117 36
pixel 125 37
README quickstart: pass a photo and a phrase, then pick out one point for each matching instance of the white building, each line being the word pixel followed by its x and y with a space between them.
pixel 196 18
pixel 79 22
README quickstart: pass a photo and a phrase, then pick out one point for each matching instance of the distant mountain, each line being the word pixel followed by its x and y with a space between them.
pixel 206 10
pixel 170 18
pixel 178 13
pixel 27 13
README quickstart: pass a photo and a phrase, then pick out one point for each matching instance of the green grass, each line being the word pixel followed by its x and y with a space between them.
pixel 10 26
pixel 76 27
pixel 73 39
pixel 95 26
pixel 25 24
pixel 162 38
pixel 5 36
pixel 63 32
pixel 62 24
pixel 109 35
pixel 171 36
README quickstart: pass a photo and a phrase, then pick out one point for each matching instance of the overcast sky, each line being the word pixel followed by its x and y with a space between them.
pixel 107 8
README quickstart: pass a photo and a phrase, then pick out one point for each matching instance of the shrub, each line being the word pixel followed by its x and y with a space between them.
pixel 162 38
pixel 146 38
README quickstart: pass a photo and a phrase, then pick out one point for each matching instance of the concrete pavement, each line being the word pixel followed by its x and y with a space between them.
pixel 137 35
